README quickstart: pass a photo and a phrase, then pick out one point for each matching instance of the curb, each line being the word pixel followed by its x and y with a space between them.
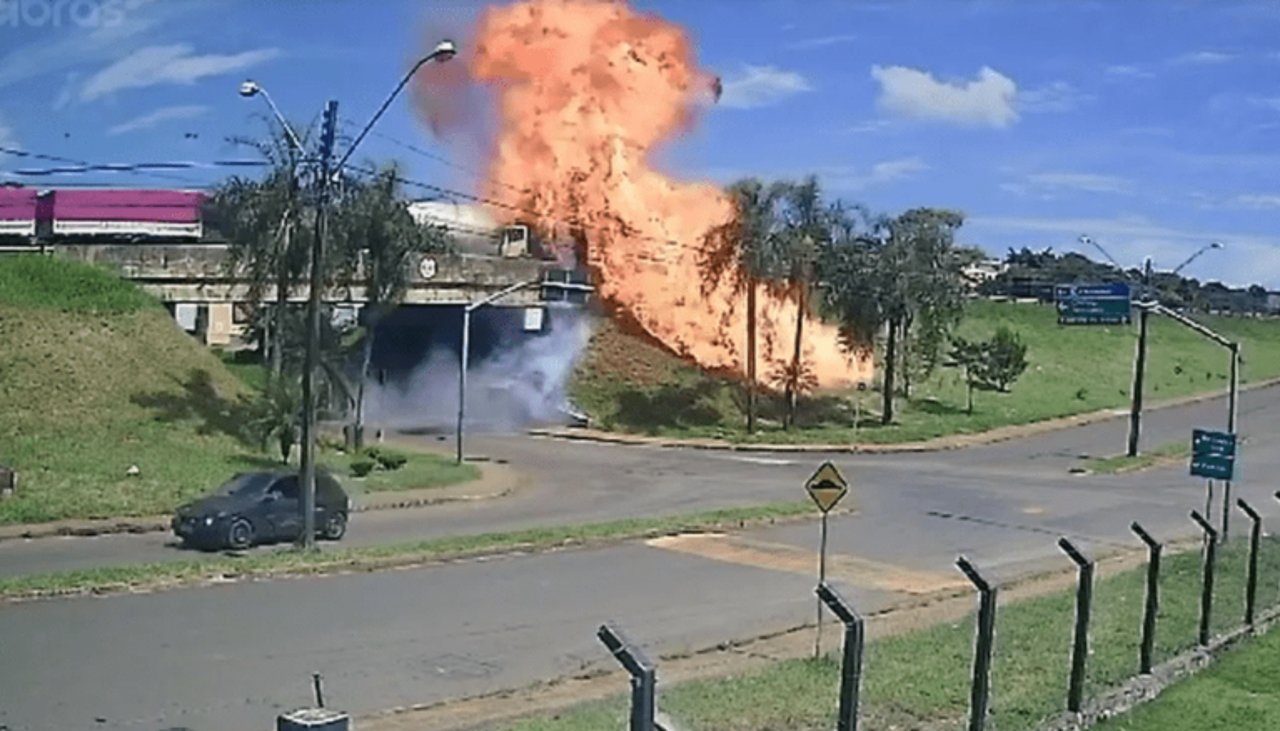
pixel 507 483
pixel 941 444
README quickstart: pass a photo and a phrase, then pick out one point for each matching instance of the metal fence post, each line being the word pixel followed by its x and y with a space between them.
pixel 644 676
pixel 1251 579
pixel 1153 598
pixel 851 667
pixel 1206 596
pixel 1080 646
pixel 980 691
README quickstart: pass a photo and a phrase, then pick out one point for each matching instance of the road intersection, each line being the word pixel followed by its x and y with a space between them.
pixel 232 656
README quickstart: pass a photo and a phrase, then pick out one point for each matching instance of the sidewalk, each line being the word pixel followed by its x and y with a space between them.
pixel 495 481
pixel 941 444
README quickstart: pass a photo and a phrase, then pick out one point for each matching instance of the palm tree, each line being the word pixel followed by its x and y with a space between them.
pixel 261 218
pixel 742 249
pixel 381 241
pixel 807 229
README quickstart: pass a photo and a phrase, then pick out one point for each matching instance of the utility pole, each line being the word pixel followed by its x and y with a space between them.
pixel 1139 364
pixel 308 537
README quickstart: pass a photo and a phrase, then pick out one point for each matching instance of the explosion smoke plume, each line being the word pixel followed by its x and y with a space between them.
pixel 585 91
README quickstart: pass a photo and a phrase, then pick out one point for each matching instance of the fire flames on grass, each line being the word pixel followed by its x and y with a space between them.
pixel 585 91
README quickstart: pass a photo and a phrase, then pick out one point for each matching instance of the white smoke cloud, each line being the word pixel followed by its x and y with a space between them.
pixel 524 383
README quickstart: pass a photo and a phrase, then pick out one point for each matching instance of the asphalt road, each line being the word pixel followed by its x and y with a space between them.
pixel 233 656
pixel 573 482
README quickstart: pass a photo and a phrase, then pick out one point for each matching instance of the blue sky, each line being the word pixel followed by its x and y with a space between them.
pixel 1152 127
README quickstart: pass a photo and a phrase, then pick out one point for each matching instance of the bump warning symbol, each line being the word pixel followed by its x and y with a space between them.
pixel 827 487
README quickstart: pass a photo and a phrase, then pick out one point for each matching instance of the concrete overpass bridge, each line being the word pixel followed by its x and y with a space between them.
pixel 207 299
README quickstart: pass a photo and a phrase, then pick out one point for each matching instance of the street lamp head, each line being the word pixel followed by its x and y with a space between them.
pixel 445 50
pixel 249 88
pixel 1216 245
pixel 1084 239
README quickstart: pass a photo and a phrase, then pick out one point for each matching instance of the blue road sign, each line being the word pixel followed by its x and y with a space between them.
pixel 1093 304
pixel 1213 454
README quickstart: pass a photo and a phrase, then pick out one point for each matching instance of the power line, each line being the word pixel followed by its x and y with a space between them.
pixel 627 229
pixel 438 158
pixel 55 158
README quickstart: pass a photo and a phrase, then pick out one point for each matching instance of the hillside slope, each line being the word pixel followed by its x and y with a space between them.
pixel 101 380
pixel 625 383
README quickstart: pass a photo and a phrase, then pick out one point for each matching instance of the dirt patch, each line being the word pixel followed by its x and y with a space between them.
pixel 602 679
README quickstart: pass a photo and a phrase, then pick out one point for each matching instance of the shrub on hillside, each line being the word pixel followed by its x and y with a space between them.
pixel 362 467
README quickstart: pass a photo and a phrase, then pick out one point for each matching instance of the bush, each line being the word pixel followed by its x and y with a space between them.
pixel 385 458
pixel 362 467
pixel 391 460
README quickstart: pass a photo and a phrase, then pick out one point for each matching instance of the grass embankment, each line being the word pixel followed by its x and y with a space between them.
pixel 627 384
pixel 921 679
pixel 96 378
pixel 332 560
pixel 1241 692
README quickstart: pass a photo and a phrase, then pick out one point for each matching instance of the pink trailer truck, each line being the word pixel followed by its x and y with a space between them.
pixel 124 213
pixel 18 212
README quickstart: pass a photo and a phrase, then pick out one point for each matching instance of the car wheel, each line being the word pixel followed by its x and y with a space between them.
pixel 239 534
pixel 335 527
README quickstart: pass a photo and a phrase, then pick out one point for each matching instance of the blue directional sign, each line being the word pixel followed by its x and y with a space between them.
pixel 1213 454
pixel 1093 304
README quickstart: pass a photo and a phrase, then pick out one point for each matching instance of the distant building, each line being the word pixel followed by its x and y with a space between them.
pixel 983 271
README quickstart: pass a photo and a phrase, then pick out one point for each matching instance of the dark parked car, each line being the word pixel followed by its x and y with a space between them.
pixel 261 507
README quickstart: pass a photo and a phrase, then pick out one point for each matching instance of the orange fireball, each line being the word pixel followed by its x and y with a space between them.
pixel 585 90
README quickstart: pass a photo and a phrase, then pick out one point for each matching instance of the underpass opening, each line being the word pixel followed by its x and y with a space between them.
pixel 519 363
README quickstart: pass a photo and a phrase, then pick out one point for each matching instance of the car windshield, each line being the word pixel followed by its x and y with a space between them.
pixel 244 484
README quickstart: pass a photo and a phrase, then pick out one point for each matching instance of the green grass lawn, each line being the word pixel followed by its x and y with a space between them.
pixel 1168 452
pixel 421 470
pixel 1239 693
pixel 921 679
pixel 1073 369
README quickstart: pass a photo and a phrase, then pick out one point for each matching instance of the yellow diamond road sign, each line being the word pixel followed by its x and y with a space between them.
pixel 827 487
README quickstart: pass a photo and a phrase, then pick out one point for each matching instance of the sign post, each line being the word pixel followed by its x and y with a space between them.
pixel 1213 456
pixel 1093 304
pixel 826 487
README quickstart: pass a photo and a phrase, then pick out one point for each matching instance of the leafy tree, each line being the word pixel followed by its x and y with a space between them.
pixel 1006 359
pixel 990 365
pixel 806 231
pixel 742 248
pixel 379 242
pixel 266 224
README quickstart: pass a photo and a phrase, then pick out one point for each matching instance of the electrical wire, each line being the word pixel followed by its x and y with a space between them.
pixel 627 230
pixel 55 158
pixel 438 158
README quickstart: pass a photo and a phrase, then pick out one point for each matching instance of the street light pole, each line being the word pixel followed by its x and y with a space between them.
pixel 1139 365
pixel 252 88
pixel 1140 360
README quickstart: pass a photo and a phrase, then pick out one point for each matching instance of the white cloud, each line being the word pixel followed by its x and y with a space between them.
pixel 882 173
pixel 762 86
pixel 874 125
pixel 167 65
pixel 73 45
pixel 1124 71
pixel 8 138
pixel 165 114
pixel 988 101
pixel 1200 58
pixel 1087 182
pixel 1148 131
pixel 1056 97
pixel 822 41
pixel 1272 103
pixel 1256 201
